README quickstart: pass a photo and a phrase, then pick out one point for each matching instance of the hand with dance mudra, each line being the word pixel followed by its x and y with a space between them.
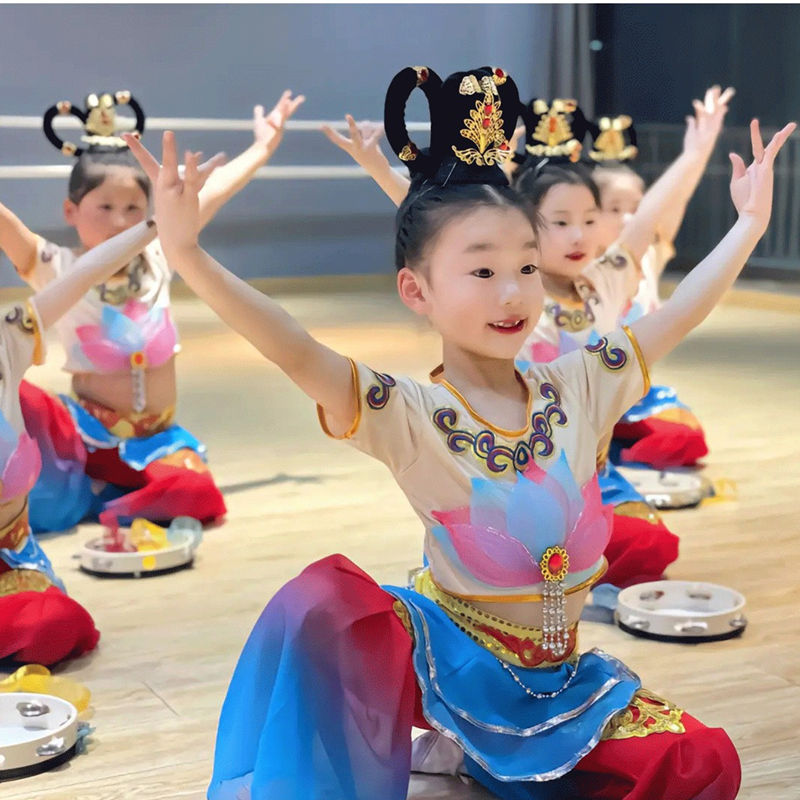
pixel 175 199
pixel 364 148
pixel 751 187
pixel 268 128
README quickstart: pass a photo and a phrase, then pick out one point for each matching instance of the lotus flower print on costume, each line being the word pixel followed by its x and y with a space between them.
pixel 538 529
pixel 21 462
pixel 135 338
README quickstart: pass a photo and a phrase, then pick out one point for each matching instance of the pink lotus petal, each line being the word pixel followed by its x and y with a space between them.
pixel 493 557
pixel 106 355
pixel 22 468
pixel 542 352
pixel 135 310
pixel 90 333
pixel 458 516
pixel 161 344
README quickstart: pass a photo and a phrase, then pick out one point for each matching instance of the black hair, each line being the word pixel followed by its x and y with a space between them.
pixel 90 170
pixel 537 176
pixel 429 206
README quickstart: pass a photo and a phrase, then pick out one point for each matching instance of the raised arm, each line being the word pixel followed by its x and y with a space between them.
pixel 364 148
pixel 695 297
pixel 236 174
pixel 324 375
pixel 17 241
pixel 664 203
pixel 93 267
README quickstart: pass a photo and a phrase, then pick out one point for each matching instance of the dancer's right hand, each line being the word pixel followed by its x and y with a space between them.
pixel 175 198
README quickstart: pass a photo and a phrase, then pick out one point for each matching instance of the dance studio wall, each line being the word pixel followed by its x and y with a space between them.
pixel 218 60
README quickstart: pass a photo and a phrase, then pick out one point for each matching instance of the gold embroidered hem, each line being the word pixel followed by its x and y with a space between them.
pixel 513 643
pixel 639 510
pixel 640 358
pixel 15 581
pixel 130 424
pixel 647 713
pixel 357 390
pixel 14 533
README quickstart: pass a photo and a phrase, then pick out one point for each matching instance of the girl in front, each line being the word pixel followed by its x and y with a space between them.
pixel 500 468
pixel 120 340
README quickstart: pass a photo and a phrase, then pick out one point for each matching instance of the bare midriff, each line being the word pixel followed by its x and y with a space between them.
pixel 11 508
pixel 115 390
pixel 530 613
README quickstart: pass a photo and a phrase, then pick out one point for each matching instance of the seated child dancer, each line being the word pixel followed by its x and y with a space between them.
pixel 120 340
pixel 500 468
pixel 660 430
pixel 39 623
pixel 641 547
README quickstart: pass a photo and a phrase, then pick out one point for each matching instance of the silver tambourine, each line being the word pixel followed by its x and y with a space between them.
pixel 37 732
pixel 681 611
pixel 185 534
pixel 668 488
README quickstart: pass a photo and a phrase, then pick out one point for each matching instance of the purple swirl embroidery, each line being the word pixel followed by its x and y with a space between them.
pixel 613 358
pixel 499 457
pixel 378 394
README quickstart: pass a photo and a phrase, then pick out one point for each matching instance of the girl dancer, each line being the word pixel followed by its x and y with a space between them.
pixel 120 339
pixel 337 669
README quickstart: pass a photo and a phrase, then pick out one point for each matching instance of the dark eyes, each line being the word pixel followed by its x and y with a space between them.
pixel 485 272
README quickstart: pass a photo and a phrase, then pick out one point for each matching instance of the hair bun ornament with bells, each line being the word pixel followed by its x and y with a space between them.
pixel 99 120
pixel 554 130
pixel 472 114
pixel 614 139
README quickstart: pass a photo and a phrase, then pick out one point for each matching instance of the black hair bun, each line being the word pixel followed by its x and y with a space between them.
pixel 99 121
pixel 473 115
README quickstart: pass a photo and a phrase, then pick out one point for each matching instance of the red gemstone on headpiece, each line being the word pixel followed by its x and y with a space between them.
pixel 555 563
pixel 487 122
pixel 504 146
pixel 488 109
pixel 499 73
pixel 423 74
pixel 552 124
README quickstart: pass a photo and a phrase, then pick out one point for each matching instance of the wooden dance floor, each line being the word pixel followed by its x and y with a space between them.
pixel 169 643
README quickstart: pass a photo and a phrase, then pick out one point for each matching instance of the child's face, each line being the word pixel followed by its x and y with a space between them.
pixel 117 204
pixel 479 285
pixel 571 234
pixel 620 196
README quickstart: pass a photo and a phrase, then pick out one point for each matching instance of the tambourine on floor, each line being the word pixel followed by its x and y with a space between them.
pixel 672 488
pixel 38 732
pixel 683 612
pixel 169 646
pixel 176 554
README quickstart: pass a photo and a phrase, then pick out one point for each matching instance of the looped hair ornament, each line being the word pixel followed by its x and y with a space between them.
pixel 472 114
pixel 99 120
pixel 614 139
pixel 555 129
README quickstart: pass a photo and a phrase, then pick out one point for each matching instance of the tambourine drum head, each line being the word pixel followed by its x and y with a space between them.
pixel 37 732
pixel 681 611
pixel 668 488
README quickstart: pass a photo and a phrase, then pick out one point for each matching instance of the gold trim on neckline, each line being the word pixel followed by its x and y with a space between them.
pixel 435 376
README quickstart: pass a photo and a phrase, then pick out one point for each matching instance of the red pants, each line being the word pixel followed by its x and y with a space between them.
pixel 44 627
pixel 176 485
pixel 639 550
pixel 663 443
pixel 336 612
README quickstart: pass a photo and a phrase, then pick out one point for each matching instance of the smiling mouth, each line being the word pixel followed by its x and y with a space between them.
pixel 508 326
